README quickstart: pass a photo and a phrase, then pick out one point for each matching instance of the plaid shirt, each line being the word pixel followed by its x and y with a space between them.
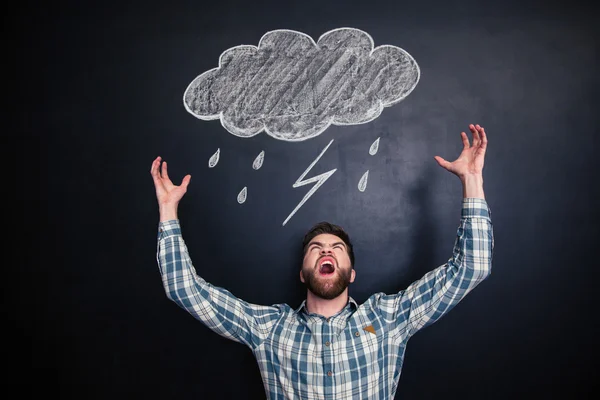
pixel 356 353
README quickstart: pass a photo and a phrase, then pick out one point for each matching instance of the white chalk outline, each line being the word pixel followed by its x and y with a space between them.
pixel 320 179
pixel 329 123
pixel 214 159
pixel 242 195
pixel 258 161
pixel 362 184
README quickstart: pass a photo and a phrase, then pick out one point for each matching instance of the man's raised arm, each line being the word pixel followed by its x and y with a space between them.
pixel 438 291
pixel 215 307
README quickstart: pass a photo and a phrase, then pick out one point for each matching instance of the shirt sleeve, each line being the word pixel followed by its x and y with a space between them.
pixel 428 299
pixel 215 307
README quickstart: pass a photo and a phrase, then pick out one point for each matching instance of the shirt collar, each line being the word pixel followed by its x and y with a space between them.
pixel 302 309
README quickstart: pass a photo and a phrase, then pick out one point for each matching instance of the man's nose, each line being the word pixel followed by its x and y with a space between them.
pixel 325 250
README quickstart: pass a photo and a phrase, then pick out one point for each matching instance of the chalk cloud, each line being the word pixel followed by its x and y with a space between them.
pixel 293 88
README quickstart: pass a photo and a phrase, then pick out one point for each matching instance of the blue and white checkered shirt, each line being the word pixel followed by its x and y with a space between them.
pixel 355 354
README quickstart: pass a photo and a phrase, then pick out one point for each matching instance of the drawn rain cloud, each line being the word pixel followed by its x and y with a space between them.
pixel 293 88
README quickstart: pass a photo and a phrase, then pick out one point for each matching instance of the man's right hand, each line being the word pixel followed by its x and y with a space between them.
pixel 168 195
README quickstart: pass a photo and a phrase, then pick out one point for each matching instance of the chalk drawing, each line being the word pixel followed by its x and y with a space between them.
pixel 319 179
pixel 374 147
pixel 214 159
pixel 362 184
pixel 293 88
pixel 241 198
pixel 258 161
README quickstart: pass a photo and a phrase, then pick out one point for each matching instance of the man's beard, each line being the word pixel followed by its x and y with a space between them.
pixel 327 288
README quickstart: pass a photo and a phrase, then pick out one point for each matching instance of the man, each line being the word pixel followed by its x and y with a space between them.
pixel 331 347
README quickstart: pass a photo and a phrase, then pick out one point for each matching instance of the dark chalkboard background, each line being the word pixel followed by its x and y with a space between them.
pixel 100 88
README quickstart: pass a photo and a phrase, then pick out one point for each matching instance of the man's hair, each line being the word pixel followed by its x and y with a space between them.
pixel 332 229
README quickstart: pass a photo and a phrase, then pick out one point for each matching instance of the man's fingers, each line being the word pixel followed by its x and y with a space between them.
pixel 475 131
pixel 465 140
pixel 154 171
pixel 186 181
pixel 154 166
pixel 443 163
pixel 484 139
pixel 165 173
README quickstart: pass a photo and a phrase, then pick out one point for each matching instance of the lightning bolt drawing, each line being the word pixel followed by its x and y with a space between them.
pixel 319 179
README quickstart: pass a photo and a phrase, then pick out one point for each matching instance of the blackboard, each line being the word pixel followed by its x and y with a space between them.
pixel 101 88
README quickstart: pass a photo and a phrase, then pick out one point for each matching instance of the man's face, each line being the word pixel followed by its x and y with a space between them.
pixel 326 269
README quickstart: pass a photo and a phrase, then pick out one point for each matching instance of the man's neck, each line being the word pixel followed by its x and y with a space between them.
pixel 324 307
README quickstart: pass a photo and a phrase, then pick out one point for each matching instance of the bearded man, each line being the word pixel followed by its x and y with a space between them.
pixel 331 347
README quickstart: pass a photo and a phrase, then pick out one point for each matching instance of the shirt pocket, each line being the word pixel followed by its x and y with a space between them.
pixel 367 347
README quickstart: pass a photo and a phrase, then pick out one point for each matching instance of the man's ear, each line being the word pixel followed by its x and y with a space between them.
pixel 353 275
pixel 301 276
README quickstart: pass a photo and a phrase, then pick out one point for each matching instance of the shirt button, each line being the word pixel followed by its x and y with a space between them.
pixel 328 319
pixel 329 373
pixel 356 334
pixel 327 343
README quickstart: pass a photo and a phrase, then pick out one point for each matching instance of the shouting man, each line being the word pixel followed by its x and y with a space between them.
pixel 331 347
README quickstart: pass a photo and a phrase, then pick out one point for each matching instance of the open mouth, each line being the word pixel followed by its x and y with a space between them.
pixel 326 266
